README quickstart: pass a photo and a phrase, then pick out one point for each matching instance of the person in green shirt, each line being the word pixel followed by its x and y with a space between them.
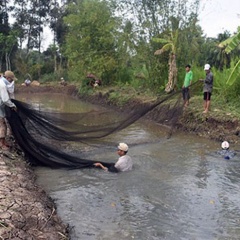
pixel 187 82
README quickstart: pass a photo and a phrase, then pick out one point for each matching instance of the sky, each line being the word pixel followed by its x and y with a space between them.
pixel 216 16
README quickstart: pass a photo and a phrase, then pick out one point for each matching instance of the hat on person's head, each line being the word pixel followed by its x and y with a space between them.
pixel 207 67
pixel 225 145
pixel 123 147
pixel 188 65
pixel 10 74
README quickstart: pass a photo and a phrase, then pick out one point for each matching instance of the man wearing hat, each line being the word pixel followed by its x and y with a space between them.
pixel 225 151
pixel 124 162
pixel 207 88
pixel 4 101
pixel 9 79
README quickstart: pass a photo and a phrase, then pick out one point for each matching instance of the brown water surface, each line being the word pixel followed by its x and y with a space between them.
pixel 179 187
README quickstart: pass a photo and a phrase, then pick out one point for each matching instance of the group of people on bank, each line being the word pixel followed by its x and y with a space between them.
pixel 207 93
pixel 207 87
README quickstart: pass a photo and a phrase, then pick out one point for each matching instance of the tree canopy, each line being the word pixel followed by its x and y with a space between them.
pixel 115 40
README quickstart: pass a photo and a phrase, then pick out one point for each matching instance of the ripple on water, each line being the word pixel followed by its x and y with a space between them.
pixel 177 190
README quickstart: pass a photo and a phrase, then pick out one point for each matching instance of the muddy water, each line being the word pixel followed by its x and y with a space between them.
pixel 179 187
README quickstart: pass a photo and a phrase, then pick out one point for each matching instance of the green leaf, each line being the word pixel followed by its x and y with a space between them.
pixel 160 40
pixel 231 43
pixel 234 74
pixel 165 48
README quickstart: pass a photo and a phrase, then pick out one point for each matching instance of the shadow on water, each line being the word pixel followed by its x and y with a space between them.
pixel 179 188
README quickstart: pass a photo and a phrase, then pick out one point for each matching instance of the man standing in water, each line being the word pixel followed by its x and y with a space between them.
pixel 124 162
pixel 225 151
pixel 207 88
pixel 187 82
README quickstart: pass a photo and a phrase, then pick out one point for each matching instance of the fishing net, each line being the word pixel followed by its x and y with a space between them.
pixel 42 134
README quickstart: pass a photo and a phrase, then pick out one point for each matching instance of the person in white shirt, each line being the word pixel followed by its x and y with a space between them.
pixel 124 162
pixel 4 101
pixel 27 82
pixel 225 151
pixel 9 79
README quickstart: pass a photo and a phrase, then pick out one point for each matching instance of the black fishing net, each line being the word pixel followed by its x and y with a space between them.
pixel 41 135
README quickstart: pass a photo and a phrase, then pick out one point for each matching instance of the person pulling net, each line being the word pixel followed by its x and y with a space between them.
pixel 40 133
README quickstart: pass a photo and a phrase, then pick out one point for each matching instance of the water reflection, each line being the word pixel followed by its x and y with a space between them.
pixel 178 189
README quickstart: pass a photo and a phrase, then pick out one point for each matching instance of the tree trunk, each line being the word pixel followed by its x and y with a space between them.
pixel 172 74
pixel 8 64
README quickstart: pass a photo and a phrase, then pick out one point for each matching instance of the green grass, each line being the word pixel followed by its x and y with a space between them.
pixel 218 109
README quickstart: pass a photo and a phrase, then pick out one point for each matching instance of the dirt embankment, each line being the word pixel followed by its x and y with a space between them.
pixel 26 212
pixel 57 88
pixel 216 125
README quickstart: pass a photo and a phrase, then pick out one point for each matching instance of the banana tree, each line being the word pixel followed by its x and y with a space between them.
pixel 169 45
pixel 230 44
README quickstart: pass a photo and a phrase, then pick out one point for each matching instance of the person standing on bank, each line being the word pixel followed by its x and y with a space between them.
pixel 186 85
pixel 207 88
pixel 124 162
pixel 9 79
pixel 4 101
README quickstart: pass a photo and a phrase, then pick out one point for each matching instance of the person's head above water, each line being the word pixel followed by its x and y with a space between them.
pixel 225 145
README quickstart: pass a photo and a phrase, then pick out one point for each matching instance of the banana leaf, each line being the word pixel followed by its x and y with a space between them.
pixel 234 74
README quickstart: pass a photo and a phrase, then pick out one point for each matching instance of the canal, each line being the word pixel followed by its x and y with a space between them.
pixel 180 188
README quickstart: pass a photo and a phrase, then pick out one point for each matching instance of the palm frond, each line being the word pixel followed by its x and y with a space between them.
pixel 231 43
pixel 160 40
pixel 158 52
pixel 165 48
pixel 234 74
pixel 224 43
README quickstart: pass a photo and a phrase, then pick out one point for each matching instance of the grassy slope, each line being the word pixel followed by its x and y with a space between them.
pixel 221 123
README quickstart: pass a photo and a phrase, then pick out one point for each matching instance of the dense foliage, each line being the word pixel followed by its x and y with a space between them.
pixel 145 44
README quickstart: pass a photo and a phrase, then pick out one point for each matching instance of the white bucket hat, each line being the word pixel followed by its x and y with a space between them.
pixel 207 67
pixel 225 145
pixel 123 147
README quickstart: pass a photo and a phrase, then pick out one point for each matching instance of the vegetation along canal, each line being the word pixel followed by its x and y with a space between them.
pixel 179 187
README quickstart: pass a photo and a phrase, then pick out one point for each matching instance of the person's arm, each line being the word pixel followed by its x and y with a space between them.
pixel 101 166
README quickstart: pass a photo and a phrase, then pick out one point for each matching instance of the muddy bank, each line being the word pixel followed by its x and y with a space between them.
pixel 219 127
pixel 56 88
pixel 26 212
